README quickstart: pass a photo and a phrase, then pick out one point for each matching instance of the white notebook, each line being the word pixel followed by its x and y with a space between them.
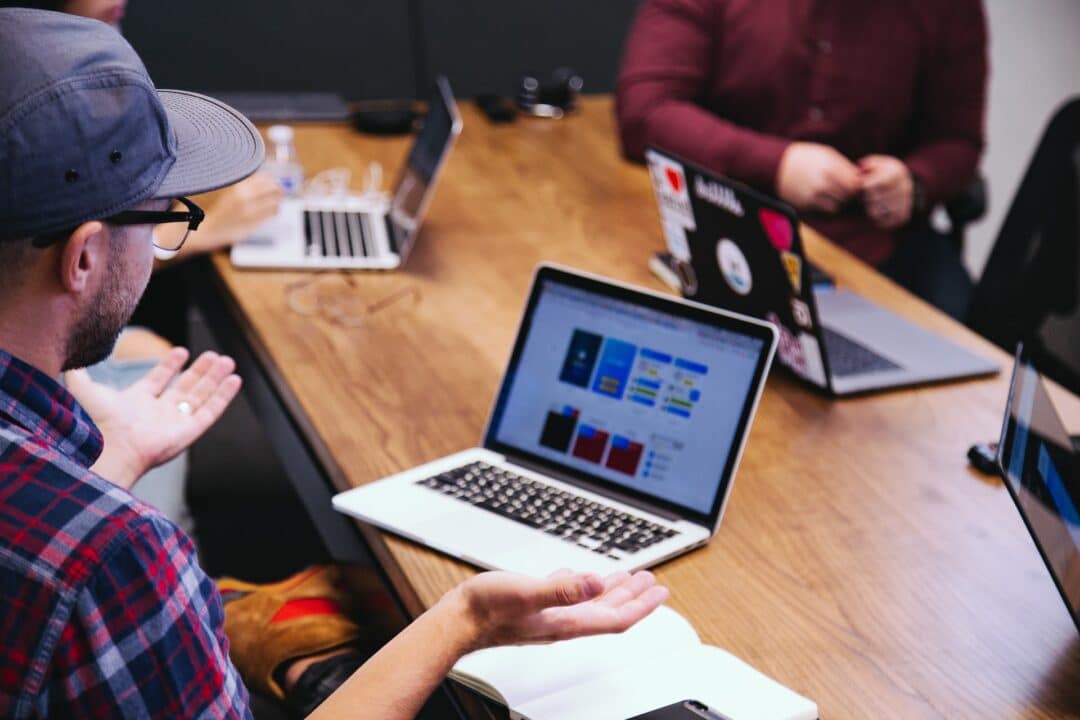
pixel 659 661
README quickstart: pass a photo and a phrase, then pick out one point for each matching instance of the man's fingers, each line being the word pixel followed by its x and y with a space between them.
pixel 629 589
pixel 633 611
pixel 191 376
pixel 208 383
pixel 163 373
pixel 592 620
pixel 568 590
pixel 615 579
pixel 209 412
pixel 843 178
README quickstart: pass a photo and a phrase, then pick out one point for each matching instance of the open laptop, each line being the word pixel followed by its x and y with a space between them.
pixel 1040 462
pixel 741 250
pixel 612 444
pixel 358 231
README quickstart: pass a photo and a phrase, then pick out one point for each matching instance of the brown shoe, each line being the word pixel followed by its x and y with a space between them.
pixel 268 625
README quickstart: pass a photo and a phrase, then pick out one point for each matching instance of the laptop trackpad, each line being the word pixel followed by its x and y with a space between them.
pixel 498 542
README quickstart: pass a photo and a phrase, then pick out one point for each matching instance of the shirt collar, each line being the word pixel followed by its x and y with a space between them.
pixel 44 408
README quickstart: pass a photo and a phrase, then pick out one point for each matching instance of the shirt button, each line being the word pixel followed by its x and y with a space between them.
pixel 817 114
pixel 824 47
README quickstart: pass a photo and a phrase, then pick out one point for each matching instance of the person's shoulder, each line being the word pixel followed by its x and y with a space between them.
pixel 61 521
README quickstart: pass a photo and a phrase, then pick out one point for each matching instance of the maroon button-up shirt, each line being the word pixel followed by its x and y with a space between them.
pixel 730 83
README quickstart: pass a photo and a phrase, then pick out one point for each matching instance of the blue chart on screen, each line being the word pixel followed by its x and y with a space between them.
pixel 629 395
pixel 615 363
pixel 580 358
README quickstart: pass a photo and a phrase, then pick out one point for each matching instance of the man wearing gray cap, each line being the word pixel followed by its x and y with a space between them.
pixel 104 610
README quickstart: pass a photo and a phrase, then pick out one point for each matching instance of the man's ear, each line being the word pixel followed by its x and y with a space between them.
pixel 85 252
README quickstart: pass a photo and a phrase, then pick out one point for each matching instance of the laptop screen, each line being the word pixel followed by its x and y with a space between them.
pixel 1042 468
pixel 639 396
pixel 413 192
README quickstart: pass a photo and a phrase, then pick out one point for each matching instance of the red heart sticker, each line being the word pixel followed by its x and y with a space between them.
pixel 777 227
pixel 674 179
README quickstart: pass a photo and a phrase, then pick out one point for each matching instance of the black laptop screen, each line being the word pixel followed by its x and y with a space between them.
pixel 1043 472
pixel 412 194
pixel 642 398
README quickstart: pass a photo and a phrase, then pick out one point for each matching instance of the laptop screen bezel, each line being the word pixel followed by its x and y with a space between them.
pixel 714 317
pixel 443 94
pixel 1005 446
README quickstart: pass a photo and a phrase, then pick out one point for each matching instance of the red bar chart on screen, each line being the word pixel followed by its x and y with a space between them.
pixel 590 443
pixel 625 455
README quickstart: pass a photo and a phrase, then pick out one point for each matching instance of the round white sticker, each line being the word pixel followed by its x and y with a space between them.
pixel 733 267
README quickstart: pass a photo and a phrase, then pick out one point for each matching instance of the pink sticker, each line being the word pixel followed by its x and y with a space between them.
pixel 789 348
pixel 777 227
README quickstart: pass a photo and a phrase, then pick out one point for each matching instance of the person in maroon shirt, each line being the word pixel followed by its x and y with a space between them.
pixel 861 114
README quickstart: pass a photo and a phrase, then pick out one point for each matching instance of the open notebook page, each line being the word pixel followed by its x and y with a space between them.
pixel 701 672
pixel 524 673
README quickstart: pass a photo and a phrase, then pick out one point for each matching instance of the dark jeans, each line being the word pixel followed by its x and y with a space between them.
pixel 929 265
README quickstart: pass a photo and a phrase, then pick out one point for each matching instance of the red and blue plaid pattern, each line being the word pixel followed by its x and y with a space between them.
pixel 104 610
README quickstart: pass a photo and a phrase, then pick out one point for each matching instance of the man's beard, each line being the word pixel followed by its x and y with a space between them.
pixel 95 334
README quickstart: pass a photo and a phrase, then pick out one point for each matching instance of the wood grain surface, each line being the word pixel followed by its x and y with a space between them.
pixel 860 562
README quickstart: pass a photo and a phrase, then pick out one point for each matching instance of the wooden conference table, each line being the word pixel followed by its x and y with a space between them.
pixel 860 561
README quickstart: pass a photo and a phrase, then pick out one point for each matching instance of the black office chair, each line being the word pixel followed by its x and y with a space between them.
pixel 964 209
pixel 1029 289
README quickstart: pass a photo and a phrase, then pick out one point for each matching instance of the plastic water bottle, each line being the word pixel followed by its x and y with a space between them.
pixel 282 161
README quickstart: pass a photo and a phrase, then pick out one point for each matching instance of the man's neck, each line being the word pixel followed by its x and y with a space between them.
pixel 32 339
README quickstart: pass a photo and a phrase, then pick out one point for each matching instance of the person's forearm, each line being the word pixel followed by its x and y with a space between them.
pixel 744 154
pixel 397 681
pixel 945 167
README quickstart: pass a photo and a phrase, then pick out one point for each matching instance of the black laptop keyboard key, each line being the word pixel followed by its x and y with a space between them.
pixel 589 524
pixel 847 357
pixel 338 234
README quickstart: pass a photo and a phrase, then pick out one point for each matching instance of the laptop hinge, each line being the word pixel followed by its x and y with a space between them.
pixel 391 236
pixel 594 488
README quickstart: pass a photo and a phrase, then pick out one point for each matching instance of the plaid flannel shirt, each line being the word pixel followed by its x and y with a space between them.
pixel 104 610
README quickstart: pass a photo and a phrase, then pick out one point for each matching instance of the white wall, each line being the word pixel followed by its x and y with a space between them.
pixel 1035 66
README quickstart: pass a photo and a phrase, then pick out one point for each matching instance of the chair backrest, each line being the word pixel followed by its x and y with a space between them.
pixel 1030 289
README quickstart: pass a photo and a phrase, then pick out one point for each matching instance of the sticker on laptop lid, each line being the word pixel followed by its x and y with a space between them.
pixel 672 193
pixel 734 267
pixel 777 227
pixel 801 312
pixel 687 277
pixel 719 195
pixel 793 267
pixel 677 243
pixel 788 348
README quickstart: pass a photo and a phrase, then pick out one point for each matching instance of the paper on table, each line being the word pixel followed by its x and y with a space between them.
pixel 700 672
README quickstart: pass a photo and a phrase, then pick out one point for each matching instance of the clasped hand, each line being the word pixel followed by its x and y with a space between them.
pixel 155 419
pixel 818 178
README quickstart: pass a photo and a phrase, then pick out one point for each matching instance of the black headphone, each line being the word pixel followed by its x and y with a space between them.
pixel 552 99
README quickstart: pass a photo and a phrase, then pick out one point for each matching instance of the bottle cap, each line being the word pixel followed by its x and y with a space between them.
pixel 280 134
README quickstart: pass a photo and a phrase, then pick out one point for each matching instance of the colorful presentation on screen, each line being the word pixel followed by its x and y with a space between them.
pixel 636 396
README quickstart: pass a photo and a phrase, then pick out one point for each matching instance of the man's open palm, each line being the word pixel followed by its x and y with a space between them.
pixel 155 419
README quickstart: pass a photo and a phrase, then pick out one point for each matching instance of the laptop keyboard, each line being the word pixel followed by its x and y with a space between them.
pixel 588 524
pixel 339 234
pixel 847 357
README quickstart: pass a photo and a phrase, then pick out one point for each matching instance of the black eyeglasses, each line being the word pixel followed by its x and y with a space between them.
pixel 193 216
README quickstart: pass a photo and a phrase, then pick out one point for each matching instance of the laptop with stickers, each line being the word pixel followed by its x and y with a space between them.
pixel 741 250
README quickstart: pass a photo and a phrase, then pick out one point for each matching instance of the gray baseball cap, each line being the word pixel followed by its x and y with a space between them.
pixel 84 134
